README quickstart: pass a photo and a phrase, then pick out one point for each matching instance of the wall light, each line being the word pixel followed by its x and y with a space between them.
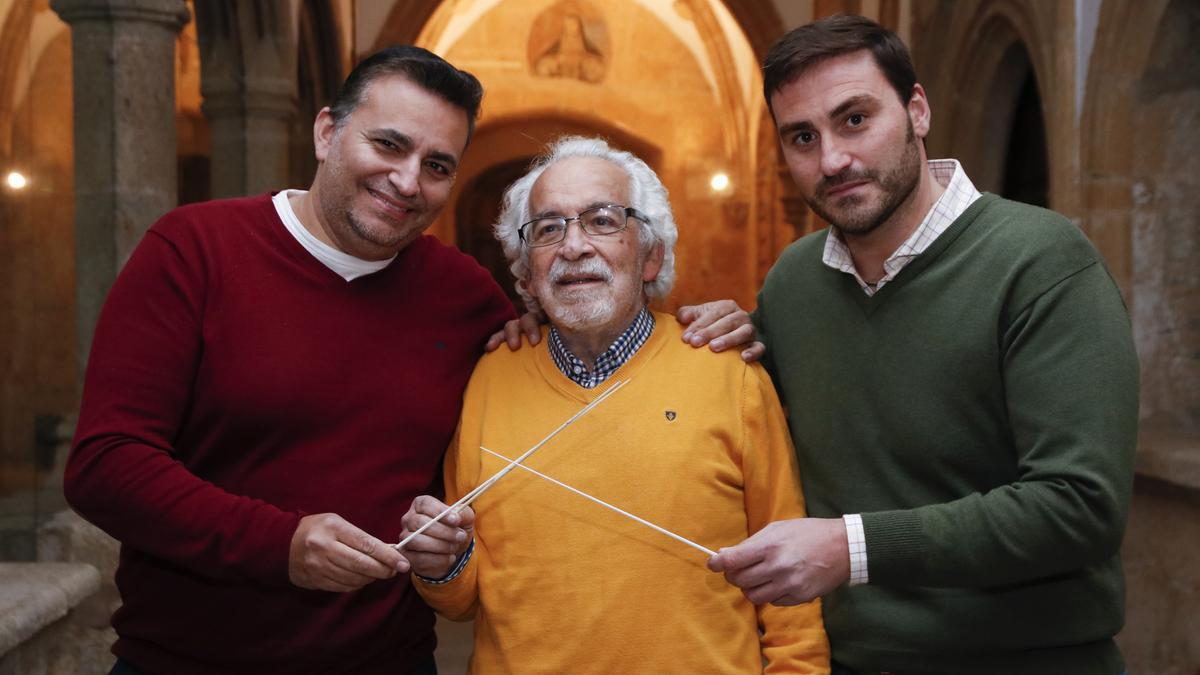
pixel 16 180
pixel 719 182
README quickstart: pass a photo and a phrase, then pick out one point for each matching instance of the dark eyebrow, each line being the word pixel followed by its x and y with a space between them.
pixel 793 127
pixel 445 158
pixel 406 143
pixel 862 100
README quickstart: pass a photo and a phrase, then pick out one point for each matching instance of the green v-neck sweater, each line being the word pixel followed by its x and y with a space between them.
pixel 980 412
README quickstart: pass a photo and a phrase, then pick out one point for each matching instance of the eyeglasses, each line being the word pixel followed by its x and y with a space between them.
pixel 599 221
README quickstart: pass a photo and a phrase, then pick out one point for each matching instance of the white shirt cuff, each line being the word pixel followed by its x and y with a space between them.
pixel 857 540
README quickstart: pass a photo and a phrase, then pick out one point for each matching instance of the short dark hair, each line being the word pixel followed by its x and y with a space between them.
pixel 424 68
pixel 832 36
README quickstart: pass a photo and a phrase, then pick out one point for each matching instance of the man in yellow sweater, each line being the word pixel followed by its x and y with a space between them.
pixel 695 443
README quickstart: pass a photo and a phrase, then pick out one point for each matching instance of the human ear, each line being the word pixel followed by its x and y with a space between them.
pixel 324 129
pixel 653 263
pixel 918 111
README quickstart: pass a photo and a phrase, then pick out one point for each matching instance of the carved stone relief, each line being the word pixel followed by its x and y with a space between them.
pixel 570 40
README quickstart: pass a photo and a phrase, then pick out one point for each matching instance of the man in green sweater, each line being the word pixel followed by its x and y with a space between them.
pixel 961 385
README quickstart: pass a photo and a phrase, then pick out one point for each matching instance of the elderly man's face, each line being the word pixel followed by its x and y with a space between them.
pixel 588 283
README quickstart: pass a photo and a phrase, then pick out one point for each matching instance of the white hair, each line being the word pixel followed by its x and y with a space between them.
pixel 646 194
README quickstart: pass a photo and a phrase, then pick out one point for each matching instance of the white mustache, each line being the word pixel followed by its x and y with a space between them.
pixel 591 267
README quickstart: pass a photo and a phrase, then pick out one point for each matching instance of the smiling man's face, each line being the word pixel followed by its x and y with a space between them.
pixel 588 283
pixel 849 142
pixel 386 172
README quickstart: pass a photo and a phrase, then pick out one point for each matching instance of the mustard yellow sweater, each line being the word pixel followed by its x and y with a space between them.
pixel 695 443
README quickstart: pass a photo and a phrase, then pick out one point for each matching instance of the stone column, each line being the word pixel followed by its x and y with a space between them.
pixel 124 79
pixel 123 55
pixel 248 79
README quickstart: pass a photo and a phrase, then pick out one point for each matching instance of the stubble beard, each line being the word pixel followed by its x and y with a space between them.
pixel 340 210
pixel 897 183
pixel 379 236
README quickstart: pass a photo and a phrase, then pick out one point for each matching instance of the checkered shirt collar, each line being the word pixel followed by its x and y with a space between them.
pixel 960 193
pixel 620 351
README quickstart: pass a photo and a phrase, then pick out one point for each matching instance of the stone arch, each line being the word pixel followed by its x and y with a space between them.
pixel 1020 130
pixel 405 22
pixel 998 47
pixel 707 121
pixel 759 19
pixel 1124 40
pixel 763 177
pixel 318 77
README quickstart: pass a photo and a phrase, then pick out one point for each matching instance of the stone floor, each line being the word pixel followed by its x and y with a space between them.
pixel 454 646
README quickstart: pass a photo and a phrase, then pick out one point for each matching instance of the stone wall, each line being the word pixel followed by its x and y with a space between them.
pixel 1162 626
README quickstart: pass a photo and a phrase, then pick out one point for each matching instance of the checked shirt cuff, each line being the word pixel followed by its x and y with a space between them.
pixel 857 539
pixel 458 568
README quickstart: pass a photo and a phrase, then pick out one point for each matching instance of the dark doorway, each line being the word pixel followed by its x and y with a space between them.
pixel 478 208
pixel 318 76
pixel 193 174
pixel 1026 170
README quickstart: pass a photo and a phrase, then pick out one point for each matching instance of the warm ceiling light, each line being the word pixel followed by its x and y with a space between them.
pixel 719 182
pixel 16 180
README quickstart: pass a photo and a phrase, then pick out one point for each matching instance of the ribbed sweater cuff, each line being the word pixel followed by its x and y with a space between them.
pixel 272 564
pixel 895 546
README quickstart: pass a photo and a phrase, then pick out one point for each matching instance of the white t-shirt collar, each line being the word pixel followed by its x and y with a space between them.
pixel 343 264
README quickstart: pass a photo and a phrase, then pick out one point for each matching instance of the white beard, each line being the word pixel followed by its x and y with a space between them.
pixel 578 310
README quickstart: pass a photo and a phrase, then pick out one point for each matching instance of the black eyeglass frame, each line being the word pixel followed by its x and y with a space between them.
pixel 629 211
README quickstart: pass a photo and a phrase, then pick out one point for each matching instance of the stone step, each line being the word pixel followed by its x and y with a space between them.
pixel 35 595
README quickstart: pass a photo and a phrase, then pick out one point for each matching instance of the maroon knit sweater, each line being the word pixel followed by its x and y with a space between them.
pixel 235 385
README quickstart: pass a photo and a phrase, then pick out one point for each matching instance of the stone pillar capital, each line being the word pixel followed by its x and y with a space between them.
pixel 173 14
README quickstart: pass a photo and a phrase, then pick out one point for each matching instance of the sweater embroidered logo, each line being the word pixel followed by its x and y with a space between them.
pixel 670 415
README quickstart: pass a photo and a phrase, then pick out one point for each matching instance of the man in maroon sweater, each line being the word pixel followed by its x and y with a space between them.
pixel 274 379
